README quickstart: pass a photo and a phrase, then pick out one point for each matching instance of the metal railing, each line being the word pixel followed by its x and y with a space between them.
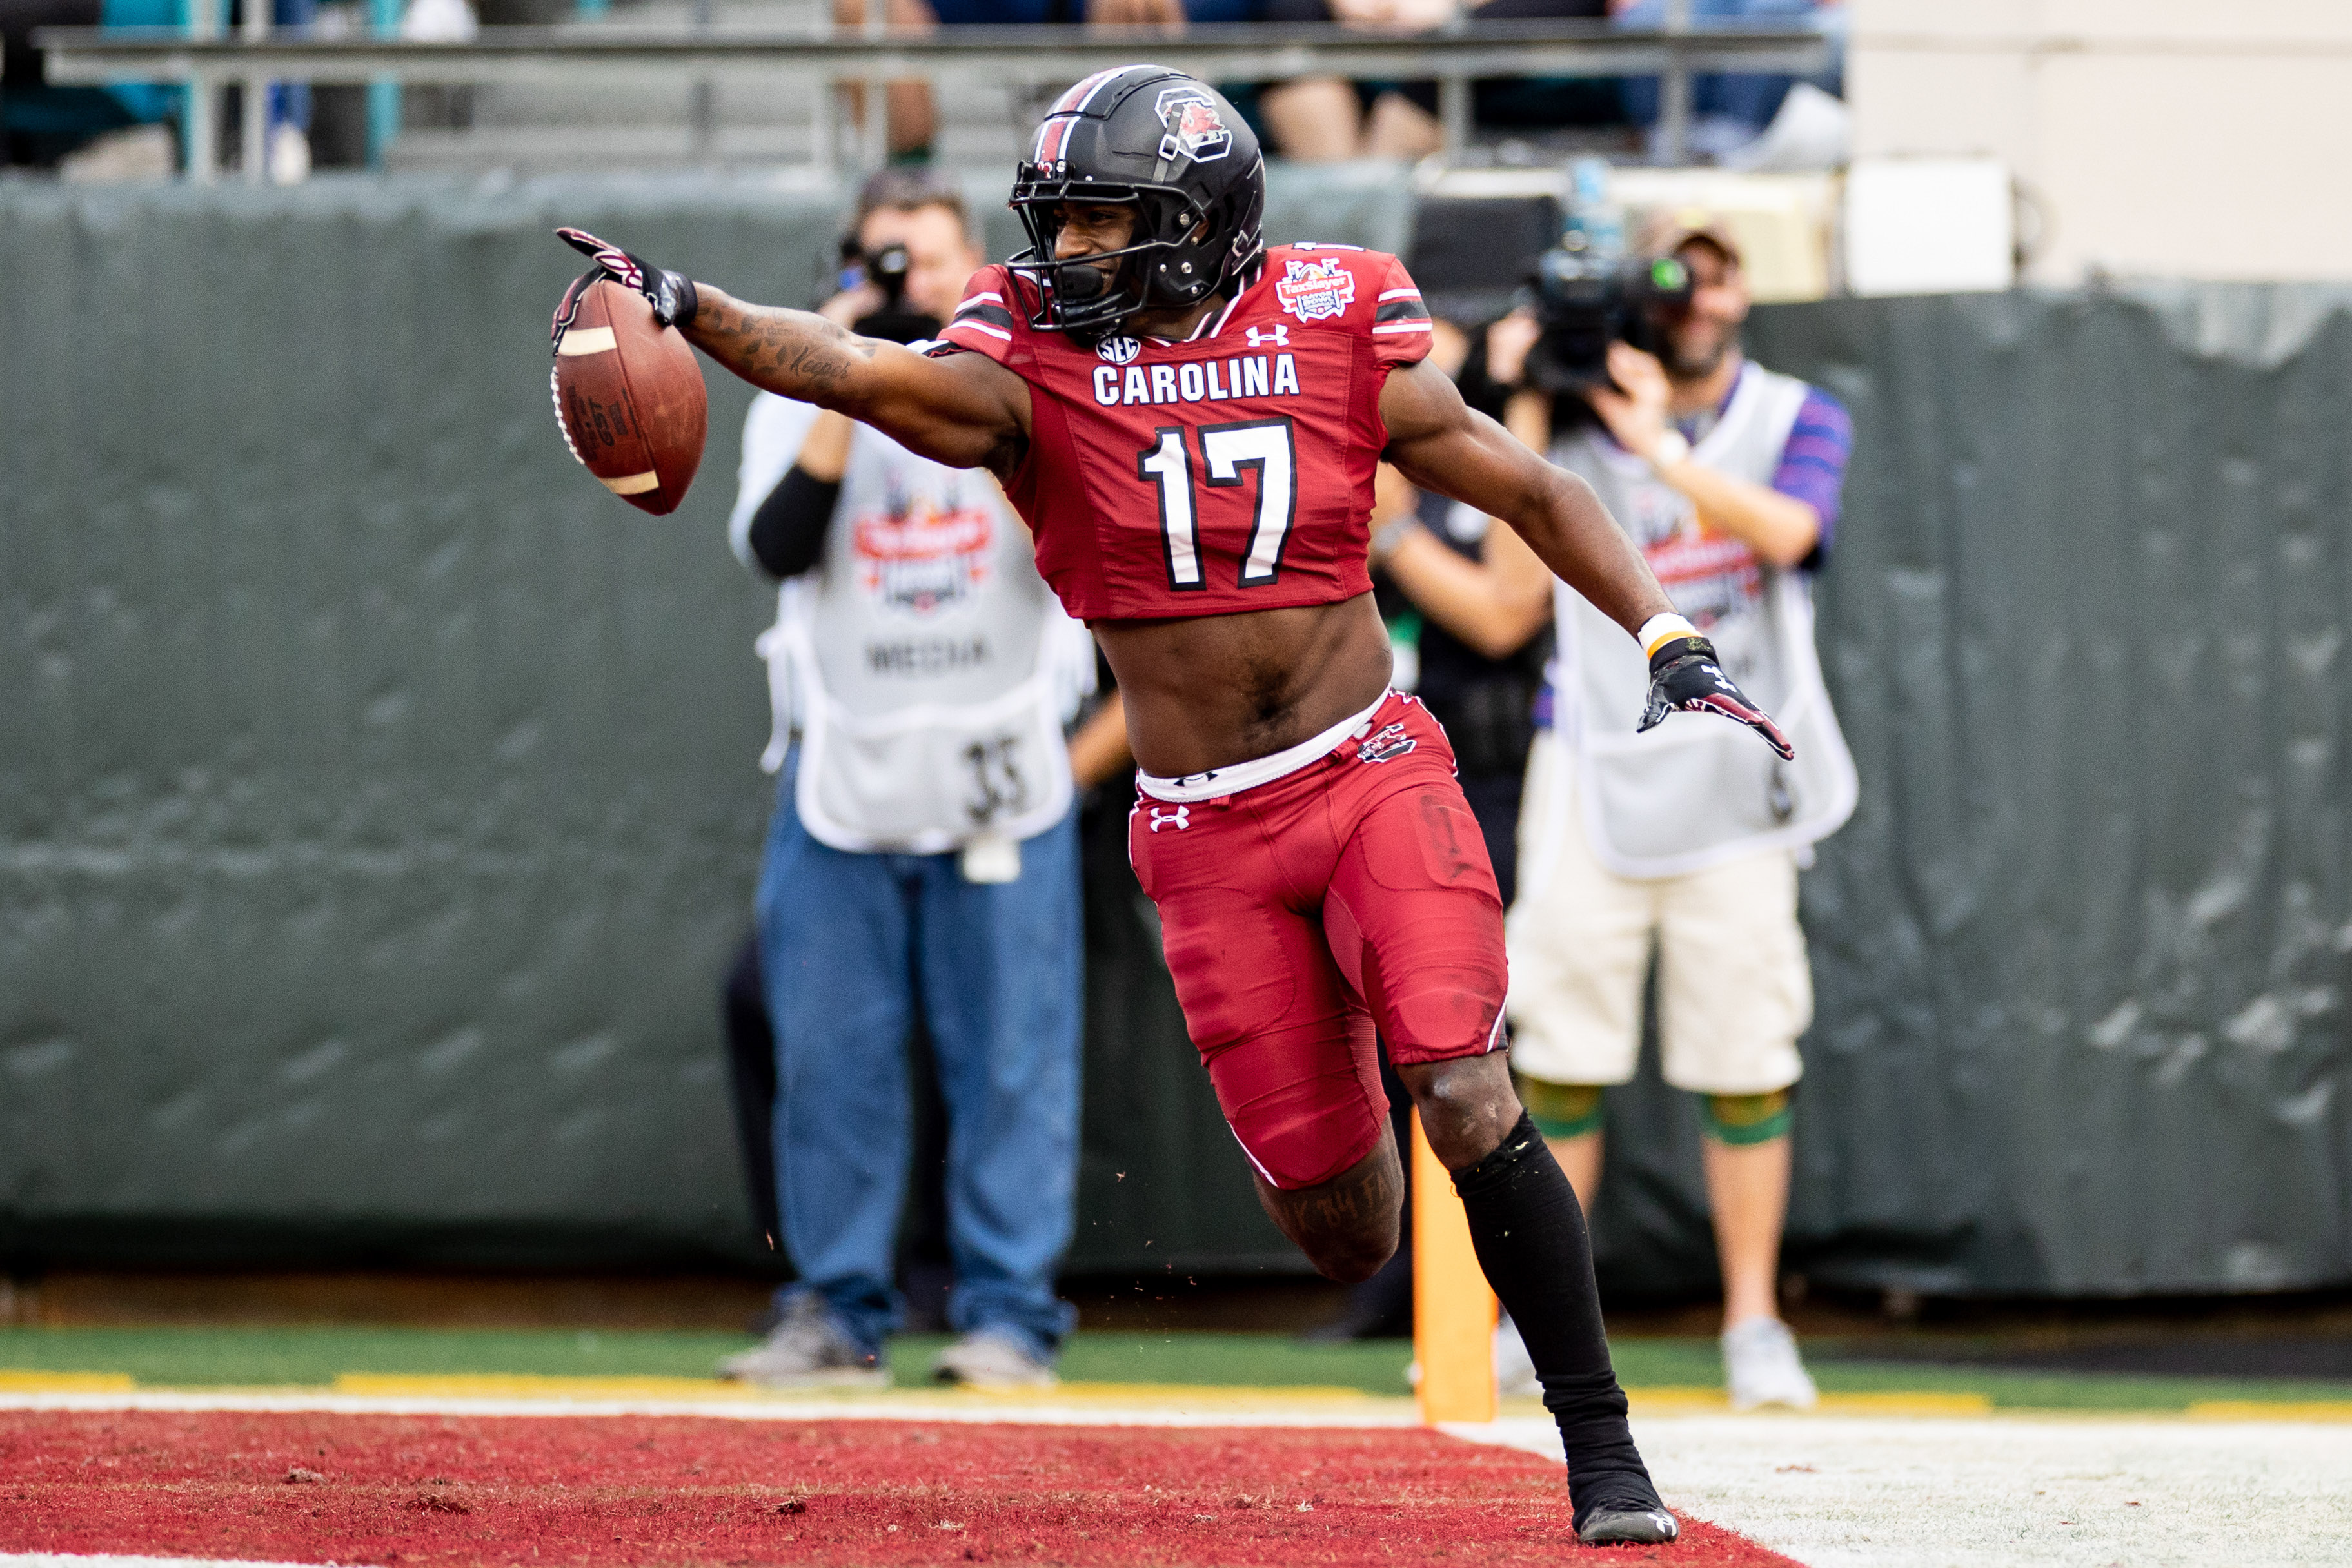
pixel 1454 55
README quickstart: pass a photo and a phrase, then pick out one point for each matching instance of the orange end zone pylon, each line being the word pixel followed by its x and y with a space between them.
pixel 1452 1309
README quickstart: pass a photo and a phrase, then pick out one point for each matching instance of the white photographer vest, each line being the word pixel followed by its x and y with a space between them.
pixel 923 666
pixel 1696 790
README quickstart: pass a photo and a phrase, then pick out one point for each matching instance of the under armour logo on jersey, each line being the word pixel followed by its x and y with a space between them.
pixel 1386 744
pixel 1179 819
pixel 1278 335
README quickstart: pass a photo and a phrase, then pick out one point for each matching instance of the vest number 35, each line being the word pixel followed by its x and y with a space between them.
pixel 1266 445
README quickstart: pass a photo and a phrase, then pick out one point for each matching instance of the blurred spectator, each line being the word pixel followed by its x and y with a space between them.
pixel 1729 476
pixel 1728 112
pixel 1324 119
pixel 922 859
pixel 1478 676
pixel 46 125
pixel 914 117
pixel 40 124
pixel 1483 689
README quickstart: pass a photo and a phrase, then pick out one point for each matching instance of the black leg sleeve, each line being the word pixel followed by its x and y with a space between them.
pixel 1530 1237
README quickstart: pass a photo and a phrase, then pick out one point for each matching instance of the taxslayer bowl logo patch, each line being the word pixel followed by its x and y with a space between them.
pixel 1195 130
pixel 921 552
pixel 1118 350
pixel 1312 290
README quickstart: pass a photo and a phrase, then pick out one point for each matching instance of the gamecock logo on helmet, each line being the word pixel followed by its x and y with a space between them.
pixel 1194 128
pixel 1119 351
pixel 1312 290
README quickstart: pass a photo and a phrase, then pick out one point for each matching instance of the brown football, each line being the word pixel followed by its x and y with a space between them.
pixel 630 398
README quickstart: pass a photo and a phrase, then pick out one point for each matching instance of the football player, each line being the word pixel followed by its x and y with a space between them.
pixel 1190 421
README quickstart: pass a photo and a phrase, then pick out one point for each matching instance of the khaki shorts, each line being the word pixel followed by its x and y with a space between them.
pixel 1734 992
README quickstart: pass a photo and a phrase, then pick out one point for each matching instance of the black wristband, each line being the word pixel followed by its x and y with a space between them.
pixel 1674 648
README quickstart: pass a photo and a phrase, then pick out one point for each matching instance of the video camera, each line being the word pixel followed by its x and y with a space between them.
pixel 886 270
pixel 1586 298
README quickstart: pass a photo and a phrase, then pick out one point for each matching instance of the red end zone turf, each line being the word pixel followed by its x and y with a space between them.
pixel 620 1489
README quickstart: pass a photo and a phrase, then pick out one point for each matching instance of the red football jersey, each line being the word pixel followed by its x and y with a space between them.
pixel 1229 471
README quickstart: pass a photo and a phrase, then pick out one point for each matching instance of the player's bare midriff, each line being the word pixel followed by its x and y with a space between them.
pixel 1210 691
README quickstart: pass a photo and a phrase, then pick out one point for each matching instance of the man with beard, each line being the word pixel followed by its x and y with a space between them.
pixel 1727 476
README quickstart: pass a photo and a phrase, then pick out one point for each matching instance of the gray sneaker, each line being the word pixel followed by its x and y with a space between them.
pixel 807 1350
pixel 1760 1366
pixel 992 1358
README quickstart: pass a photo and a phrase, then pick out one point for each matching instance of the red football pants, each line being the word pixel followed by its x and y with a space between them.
pixel 1298 916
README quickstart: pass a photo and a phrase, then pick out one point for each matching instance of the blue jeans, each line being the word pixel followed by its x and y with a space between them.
pixel 851 946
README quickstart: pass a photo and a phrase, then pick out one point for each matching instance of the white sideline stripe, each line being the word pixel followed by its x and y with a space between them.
pixel 2003 1491
pixel 580 340
pixel 302 1400
pixel 75 1560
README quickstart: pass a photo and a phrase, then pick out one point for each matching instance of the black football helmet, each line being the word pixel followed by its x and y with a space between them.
pixel 1170 146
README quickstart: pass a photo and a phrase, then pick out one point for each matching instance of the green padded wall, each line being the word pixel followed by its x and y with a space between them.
pixel 378 796
pixel 378 805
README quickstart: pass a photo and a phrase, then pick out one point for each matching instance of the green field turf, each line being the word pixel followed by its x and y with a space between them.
pixel 198 1358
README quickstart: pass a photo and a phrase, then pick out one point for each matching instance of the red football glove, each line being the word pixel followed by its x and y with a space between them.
pixel 671 294
pixel 1685 678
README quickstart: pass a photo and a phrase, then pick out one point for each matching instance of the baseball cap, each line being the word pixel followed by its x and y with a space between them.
pixel 1668 231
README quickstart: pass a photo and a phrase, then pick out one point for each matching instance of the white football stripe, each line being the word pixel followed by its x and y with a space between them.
pixel 587 341
pixel 635 484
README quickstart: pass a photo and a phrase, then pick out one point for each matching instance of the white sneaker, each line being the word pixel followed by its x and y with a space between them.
pixel 1760 1366
pixel 807 1350
pixel 1515 1370
pixel 994 1359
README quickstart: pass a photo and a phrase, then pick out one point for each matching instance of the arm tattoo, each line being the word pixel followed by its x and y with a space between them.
pixel 794 352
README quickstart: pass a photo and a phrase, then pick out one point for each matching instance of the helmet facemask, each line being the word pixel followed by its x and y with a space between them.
pixel 1171 259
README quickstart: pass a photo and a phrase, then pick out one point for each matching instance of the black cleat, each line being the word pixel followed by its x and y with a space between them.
pixel 1637 1526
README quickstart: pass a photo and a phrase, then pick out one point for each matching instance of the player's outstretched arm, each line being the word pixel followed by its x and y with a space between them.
pixel 1440 444
pixel 964 410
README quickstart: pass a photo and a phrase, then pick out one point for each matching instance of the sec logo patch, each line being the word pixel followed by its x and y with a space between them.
pixel 1119 351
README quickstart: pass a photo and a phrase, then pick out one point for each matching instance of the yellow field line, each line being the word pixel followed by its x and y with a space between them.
pixel 66 1382
pixel 2271 1410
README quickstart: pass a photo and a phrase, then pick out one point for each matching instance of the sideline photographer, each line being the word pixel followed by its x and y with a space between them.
pixel 922 860
pixel 1729 476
